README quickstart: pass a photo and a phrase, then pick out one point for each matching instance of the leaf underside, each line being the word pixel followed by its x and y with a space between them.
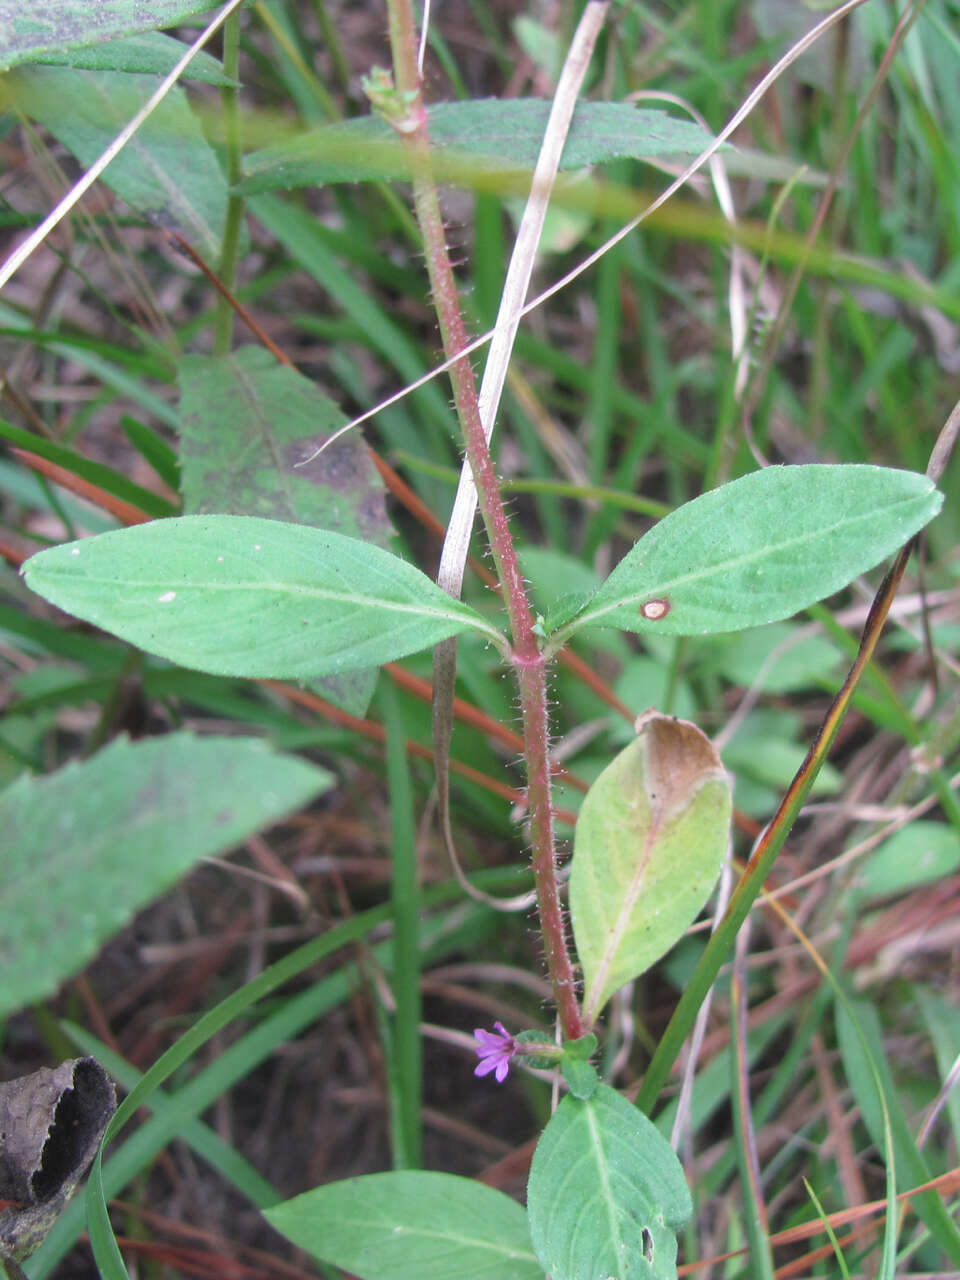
pixel 411 1225
pixel 761 548
pixel 235 595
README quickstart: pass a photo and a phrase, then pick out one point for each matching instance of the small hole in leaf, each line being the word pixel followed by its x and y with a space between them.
pixel 647 1245
pixel 654 610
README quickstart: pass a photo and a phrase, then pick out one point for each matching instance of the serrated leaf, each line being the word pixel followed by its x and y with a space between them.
pixel 167 171
pixel 760 548
pixel 411 1226
pixel 487 134
pixel 606 1194
pixel 150 53
pixel 650 841
pixel 28 29
pixel 249 424
pixel 235 595
pixel 86 847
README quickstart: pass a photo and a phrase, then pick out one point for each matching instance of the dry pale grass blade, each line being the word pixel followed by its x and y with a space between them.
pixel 456 544
pixel 79 189
pixel 424 32
pixel 945 444
pixel 902 817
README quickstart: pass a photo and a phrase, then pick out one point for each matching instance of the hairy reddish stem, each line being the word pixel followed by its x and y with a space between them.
pixel 529 662
pixel 536 732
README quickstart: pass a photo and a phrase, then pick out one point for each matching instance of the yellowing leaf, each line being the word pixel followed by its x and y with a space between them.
pixel 650 841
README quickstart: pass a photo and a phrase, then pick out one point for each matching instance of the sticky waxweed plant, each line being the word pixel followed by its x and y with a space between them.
pixel 258 597
pixel 285 588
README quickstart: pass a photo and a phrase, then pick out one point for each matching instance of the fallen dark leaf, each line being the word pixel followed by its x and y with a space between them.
pixel 51 1124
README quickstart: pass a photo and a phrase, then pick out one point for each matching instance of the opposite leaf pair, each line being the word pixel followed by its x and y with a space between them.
pixel 242 596
pixel 606 1197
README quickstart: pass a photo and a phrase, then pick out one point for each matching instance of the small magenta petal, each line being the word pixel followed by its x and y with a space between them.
pixel 494 1049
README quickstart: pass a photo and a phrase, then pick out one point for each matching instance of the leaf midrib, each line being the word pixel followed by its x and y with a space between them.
pixel 461 612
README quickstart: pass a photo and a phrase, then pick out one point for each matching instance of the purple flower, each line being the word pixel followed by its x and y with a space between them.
pixel 494 1051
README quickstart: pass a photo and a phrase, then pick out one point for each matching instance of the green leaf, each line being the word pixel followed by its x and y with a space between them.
pixel 763 757
pixel 167 171
pixel 606 1194
pixel 582 1048
pixel 582 1079
pixel 649 844
pixel 916 854
pixel 248 424
pixel 29 29
pixel 528 1042
pixel 235 595
pixel 86 847
pixel 779 658
pixel 411 1226
pixel 760 548
pixel 487 134
pixel 150 53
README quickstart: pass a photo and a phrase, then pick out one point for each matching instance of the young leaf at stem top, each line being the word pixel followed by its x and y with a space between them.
pixel 759 549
